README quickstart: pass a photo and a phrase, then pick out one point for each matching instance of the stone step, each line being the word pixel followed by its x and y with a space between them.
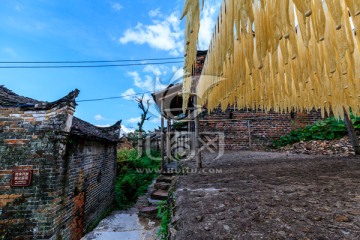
pixel 172 165
pixel 169 172
pixel 162 186
pixel 166 179
pixel 153 201
pixel 160 195
pixel 148 211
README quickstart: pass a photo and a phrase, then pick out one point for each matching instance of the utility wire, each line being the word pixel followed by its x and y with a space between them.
pixel 107 98
pixel 96 61
pixel 90 66
pixel 123 96
pixel 97 99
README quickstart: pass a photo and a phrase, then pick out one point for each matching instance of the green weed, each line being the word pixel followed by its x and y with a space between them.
pixel 164 215
pixel 132 183
pixel 327 129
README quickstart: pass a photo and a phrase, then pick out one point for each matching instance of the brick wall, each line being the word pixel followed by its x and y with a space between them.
pixel 73 177
pixel 32 140
pixel 89 187
pixel 254 129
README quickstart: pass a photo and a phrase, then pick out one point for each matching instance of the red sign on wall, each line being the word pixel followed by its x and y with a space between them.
pixel 21 178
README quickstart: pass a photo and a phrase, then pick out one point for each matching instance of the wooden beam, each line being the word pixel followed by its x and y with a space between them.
pixel 163 164
pixel 168 141
pixel 249 132
pixel 197 143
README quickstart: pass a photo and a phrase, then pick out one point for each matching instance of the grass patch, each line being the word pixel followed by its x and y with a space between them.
pixel 132 183
pixel 164 215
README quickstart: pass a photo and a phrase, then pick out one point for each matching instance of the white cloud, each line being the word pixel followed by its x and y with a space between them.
pixel 116 6
pixel 146 83
pixel 207 23
pixel 148 97
pixel 105 125
pixel 153 69
pixel 178 74
pixel 134 120
pixel 163 33
pixel 136 77
pixel 129 94
pixel 156 120
pixel 155 13
pixel 125 130
pixel 99 117
pixel 174 69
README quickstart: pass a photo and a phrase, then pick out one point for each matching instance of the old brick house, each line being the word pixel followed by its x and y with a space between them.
pixel 57 172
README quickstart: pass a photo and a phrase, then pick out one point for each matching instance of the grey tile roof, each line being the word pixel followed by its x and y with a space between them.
pixel 79 128
pixel 84 129
pixel 10 99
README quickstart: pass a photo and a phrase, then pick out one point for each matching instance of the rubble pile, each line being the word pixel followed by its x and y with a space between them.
pixel 340 147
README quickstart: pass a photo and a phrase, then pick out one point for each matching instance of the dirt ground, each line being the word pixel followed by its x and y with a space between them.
pixel 269 196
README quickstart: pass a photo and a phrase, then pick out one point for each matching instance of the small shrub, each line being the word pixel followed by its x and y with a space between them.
pixel 126 155
pixel 131 183
pixel 327 129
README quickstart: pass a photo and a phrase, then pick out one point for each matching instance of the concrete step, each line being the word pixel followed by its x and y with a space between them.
pixel 162 186
pixel 148 211
pixel 160 195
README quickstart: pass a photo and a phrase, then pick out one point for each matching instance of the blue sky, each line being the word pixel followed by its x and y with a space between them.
pixel 73 30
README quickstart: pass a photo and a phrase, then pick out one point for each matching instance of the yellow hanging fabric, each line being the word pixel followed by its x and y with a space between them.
pixel 192 13
pixel 283 55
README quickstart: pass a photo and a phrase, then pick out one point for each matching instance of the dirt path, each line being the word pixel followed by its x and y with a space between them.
pixel 270 196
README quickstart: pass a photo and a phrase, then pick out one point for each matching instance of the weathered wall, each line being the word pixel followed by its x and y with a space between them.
pixel 73 177
pixel 90 184
pixel 32 140
pixel 250 129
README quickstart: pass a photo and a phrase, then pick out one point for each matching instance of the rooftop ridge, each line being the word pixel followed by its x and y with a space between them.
pixel 10 99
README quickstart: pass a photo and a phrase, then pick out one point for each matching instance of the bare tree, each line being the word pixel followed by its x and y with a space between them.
pixel 143 105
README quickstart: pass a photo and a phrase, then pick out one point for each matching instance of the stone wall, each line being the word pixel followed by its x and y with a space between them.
pixel 73 177
pixel 254 129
